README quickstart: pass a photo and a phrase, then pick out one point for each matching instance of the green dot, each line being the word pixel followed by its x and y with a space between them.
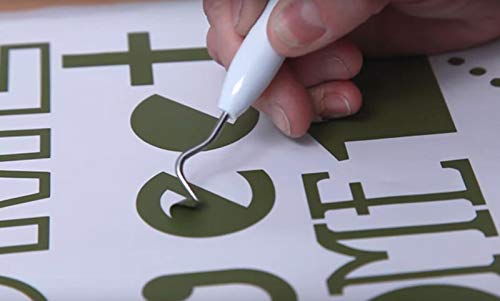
pixel 478 71
pixel 456 61
pixel 495 82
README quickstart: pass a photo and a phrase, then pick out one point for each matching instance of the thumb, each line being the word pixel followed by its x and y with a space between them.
pixel 298 27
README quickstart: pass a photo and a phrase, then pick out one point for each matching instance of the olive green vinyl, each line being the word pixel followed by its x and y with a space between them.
pixel 173 126
pixel 29 291
pixel 334 240
pixel 361 203
pixel 436 292
pixel 216 216
pixel 401 98
pixel 43 232
pixel 45 82
pixel 140 58
pixel 181 287
pixel 44 146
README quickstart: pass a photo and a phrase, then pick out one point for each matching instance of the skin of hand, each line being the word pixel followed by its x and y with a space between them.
pixel 324 41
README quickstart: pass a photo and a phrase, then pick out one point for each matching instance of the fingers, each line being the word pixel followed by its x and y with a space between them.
pixel 286 100
pixel 212 45
pixel 217 11
pixel 305 89
pixel 298 27
pixel 288 104
pixel 245 13
pixel 335 99
pixel 222 39
pixel 292 108
pixel 338 61
pixel 240 15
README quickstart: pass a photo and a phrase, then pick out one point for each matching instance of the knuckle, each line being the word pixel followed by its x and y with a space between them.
pixel 213 8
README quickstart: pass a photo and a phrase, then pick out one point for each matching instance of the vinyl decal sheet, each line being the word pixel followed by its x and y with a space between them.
pixel 400 202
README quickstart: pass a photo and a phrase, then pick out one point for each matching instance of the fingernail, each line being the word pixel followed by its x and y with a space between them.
pixel 336 106
pixel 299 23
pixel 280 119
pixel 338 62
pixel 237 8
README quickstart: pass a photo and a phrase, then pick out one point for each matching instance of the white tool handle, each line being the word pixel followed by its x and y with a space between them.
pixel 252 69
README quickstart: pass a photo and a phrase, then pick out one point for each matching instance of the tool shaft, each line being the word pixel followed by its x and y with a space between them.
pixel 252 69
pixel 250 73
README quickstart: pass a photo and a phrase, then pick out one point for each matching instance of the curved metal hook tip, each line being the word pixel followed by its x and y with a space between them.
pixel 179 164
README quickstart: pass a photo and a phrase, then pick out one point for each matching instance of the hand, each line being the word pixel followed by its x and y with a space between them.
pixel 325 39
